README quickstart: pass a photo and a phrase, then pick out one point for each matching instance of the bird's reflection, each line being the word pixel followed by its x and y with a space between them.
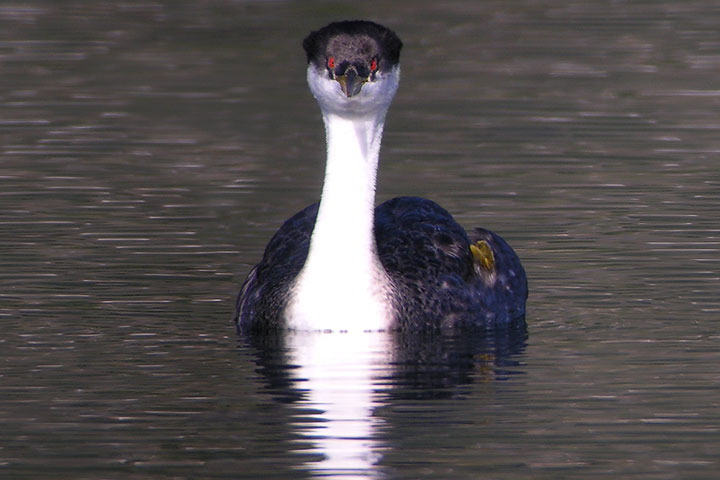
pixel 341 377
pixel 335 383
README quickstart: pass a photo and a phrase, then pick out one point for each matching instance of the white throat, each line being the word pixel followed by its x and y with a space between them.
pixel 343 286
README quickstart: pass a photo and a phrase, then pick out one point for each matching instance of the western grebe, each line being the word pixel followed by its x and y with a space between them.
pixel 344 265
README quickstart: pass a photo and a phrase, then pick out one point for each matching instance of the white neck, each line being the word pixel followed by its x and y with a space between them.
pixel 344 227
pixel 343 286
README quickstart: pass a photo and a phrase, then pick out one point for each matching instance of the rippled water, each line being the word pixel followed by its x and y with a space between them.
pixel 149 150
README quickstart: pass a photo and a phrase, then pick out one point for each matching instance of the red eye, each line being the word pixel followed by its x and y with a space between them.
pixel 331 62
pixel 373 65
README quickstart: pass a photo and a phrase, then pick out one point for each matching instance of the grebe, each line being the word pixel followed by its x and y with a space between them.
pixel 343 265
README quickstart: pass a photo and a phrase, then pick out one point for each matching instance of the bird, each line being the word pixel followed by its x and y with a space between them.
pixel 342 264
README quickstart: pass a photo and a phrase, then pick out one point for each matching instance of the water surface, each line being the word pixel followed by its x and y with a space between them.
pixel 149 150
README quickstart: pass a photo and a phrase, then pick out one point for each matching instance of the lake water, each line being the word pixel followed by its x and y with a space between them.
pixel 148 150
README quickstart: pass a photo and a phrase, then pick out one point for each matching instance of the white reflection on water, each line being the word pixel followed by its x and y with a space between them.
pixel 341 376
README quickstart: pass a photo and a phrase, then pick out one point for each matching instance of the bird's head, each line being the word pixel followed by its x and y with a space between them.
pixel 353 66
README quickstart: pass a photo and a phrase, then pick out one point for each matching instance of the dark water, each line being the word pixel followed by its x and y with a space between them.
pixel 149 150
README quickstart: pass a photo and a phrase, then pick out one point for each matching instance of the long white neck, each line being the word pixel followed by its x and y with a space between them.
pixel 345 217
pixel 343 286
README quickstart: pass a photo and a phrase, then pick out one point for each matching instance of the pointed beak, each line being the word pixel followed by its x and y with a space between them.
pixel 350 82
